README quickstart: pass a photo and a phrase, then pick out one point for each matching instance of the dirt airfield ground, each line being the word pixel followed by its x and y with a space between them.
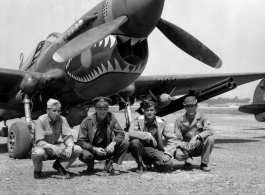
pixel 237 161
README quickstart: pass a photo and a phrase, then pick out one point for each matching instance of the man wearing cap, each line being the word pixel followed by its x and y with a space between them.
pixel 194 134
pixel 48 129
pixel 102 138
pixel 146 145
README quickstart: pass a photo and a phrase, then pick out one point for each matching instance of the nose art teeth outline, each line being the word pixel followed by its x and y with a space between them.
pixel 118 68
pixel 110 67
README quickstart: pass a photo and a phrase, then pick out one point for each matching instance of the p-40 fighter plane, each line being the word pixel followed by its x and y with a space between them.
pixel 103 54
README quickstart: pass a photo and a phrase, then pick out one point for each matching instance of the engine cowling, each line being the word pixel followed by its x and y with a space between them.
pixel 75 115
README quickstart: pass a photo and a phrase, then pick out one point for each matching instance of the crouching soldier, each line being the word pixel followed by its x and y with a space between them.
pixel 48 129
pixel 146 145
pixel 102 138
pixel 194 135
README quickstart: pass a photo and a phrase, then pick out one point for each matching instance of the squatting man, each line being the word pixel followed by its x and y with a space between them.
pixel 194 135
pixel 102 138
pixel 48 129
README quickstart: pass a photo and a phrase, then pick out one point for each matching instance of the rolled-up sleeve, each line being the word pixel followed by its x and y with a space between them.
pixel 67 133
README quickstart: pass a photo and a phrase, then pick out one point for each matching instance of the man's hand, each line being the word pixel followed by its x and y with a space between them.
pixel 57 150
pixel 153 141
pixel 110 148
pixel 186 152
pixel 166 157
pixel 100 151
pixel 68 152
pixel 192 141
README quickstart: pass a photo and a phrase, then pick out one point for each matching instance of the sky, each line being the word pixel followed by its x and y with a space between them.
pixel 233 29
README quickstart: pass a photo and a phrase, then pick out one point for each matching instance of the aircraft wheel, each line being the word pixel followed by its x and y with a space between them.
pixel 19 141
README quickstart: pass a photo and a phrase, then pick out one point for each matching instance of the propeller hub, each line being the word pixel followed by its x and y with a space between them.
pixel 145 12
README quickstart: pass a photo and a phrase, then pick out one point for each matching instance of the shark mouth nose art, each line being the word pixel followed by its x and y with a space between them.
pixel 114 54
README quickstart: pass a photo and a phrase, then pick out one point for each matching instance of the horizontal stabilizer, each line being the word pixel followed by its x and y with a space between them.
pixel 252 109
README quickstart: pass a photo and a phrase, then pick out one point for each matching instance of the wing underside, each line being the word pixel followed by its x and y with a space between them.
pixel 181 84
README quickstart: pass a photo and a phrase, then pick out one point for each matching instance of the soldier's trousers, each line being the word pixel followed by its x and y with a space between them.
pixel 117 156
pixel 149 155
pixel 39 154
pixel 202 149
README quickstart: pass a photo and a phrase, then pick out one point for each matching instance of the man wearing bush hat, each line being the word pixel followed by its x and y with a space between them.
pixel 146 144
pixel 102 138
pixel 194 134
pixel 48 129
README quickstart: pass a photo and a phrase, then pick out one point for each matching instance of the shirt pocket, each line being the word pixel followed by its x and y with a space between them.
pixel 48 136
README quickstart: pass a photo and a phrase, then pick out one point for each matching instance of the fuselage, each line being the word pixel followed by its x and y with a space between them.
pixel 110 65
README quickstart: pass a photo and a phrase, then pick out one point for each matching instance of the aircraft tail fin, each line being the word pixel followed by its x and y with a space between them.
pixel 258 106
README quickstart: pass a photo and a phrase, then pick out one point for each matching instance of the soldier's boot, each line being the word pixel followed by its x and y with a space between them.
pixel 140 168
pixel 108 168
pixel 58 167
pixel 205 168
pixel 90 167
pixel 187 166
pixel 37 175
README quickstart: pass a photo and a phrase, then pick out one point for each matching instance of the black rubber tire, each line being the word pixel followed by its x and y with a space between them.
pixel 19 141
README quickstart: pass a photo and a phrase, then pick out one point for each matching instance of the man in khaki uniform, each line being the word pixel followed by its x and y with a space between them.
pixel 48 129
pixel 146 145
pixel 194 134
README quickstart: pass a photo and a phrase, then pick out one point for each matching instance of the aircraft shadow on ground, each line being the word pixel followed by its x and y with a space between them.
pixel 232 141
pixel 3 148
pixel 253 129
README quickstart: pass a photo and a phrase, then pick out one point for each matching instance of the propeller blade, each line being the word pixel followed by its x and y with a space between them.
pixel 87 39
pixel 189 44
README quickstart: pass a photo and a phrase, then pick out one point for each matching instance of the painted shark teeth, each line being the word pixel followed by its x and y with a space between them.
pixel 109 40
pixel 100 70
pixel 133 40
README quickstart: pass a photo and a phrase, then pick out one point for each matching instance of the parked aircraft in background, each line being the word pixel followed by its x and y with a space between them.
pixel 104 53
pixel 258 106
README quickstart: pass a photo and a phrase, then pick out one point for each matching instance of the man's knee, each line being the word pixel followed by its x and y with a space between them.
pixel 135 143
pixel 124 143
pixel 77 150
pixel 210 140
pixel 37 153
pixel 86 156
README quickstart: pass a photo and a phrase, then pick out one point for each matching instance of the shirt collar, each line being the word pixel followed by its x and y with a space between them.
pixel 185 120
pixel 153 123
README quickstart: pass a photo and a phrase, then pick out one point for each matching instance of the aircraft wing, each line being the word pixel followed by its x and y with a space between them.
pixel 203 86
pixel 183 83
pixel 9 79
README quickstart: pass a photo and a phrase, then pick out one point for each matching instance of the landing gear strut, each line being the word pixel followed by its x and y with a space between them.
pixel 19 136
pixel 128 114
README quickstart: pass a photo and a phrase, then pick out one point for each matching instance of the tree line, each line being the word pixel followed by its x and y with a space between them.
pixel 221 100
